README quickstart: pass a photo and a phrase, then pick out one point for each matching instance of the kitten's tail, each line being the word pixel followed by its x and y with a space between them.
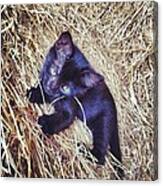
pixel 115 150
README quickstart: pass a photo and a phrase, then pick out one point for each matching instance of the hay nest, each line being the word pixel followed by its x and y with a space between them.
pixel 118 40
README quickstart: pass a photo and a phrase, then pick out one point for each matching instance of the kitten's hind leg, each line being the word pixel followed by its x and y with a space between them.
pixel 100 139
pixel 115 150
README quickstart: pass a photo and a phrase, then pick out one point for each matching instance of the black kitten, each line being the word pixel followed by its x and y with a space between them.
pixel 67 72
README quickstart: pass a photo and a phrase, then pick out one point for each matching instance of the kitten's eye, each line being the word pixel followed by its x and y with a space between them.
pixel 65 89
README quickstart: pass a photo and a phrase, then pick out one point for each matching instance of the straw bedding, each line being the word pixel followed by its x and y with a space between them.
pixel 118 40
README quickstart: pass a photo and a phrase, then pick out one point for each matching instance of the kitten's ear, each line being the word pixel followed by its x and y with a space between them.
pixel 65 35
pixel 64 44
pixel 90 78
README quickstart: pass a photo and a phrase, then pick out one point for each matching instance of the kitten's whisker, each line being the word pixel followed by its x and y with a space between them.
pixel 54 101
pixel 82 109
pixel 83 114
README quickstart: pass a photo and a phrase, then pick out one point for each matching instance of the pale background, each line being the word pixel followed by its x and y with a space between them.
pixel 41 182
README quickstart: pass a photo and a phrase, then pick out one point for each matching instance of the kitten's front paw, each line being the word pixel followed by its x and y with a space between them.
pixel 46 125
pixel 31 95
pixel 42 120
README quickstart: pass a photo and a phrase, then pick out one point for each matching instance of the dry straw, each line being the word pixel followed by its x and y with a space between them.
pixel 118 40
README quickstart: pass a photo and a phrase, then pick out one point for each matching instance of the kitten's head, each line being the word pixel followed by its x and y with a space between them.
pixel 73 81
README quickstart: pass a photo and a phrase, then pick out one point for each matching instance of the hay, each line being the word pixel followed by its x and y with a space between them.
pixel 118 40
